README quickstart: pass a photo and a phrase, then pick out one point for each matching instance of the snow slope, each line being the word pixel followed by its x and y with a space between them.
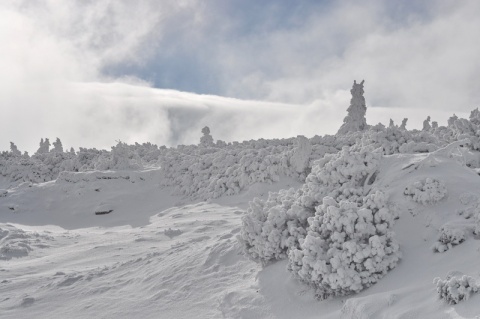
pixel 160 256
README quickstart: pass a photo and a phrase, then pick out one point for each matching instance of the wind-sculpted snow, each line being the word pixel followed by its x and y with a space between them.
pixel 16 243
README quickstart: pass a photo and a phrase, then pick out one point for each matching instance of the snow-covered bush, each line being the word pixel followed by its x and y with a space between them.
pixel 426 191
pixel 300 157
pixel 456 288
pixel 449 236
pixel 344 175
pixel 122 157
pixel 347 247
pixel 211 172
pixel 272 227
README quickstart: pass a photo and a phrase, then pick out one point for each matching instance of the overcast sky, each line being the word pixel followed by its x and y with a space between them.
pixel 93 72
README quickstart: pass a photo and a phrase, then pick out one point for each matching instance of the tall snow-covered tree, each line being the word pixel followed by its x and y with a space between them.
pixel 355 119
pixel 57 146
pixel 404 124
pixel 44 146
pixel 14 149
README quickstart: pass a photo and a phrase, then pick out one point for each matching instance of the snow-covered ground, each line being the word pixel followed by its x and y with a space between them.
pixel 161 256
pixel 374 222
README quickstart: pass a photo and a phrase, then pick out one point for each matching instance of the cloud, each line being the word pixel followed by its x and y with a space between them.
pixel 84 70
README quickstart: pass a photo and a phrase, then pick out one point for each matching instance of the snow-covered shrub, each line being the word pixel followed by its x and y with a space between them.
pixel 344 175
pixel 347 247
pixel 300 157
pixel 122 157
pixel 426 191
pixel 449 236
pixel 456 288
pixel 272 227
pixel 211 172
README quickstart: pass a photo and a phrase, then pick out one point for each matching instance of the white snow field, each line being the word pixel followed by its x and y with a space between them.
pixel 375 222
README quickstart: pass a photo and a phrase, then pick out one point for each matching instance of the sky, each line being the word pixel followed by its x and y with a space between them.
pixel 93 72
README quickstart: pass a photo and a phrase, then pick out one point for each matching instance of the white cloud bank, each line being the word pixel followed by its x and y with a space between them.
pixel 53 54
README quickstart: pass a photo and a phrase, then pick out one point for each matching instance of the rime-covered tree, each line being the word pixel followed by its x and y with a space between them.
pixel 392 124
pixel 403 126
pixel 451 120
pixel 57 146
pixel 355 120
pixel 426 124
pixel 475 116
pixel 14 150
pixel 206 140
pixel 44 147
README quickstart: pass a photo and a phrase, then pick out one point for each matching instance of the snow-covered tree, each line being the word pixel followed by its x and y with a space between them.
pixel 44 147
pixel 355 120
pixel 206 140
pixel 451 120
pixel 14 150
pixel 57 146
pixel 426 124
pixel 475 117
pixel 403 126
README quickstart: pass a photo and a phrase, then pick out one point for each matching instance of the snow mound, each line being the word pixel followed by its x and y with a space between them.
pixel 16 243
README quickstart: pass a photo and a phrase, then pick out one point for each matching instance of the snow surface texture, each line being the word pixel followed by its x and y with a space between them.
pixel 125 234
